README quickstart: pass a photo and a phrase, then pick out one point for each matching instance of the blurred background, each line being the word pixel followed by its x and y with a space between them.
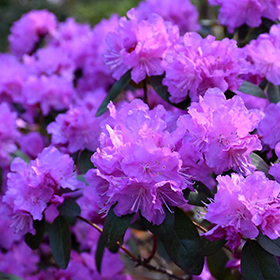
pixel 91 11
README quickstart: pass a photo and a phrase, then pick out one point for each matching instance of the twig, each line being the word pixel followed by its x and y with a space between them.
pixel 153 250
pixel 199 226
pixel 139 260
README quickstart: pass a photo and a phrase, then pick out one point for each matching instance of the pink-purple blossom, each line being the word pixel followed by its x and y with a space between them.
pixel 139 45
pixel 217 131
pixel 197 64
pixel 31 187
pixel 236 13
pixel 136 164
pixel 263 53
pixel 27 31
pixel 242 206
pixel 8 134
pixel 180 12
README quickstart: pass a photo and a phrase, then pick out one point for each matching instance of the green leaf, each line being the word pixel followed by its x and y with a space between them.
pixel 162 91
pixel 217 265
pixel 114 92
pixel 84 162
pixel 60 241
pixel 180 241
pixel 81 177
pixel 273 93
pixel 34 241
pixel 257 264
pixel 69 208
pixel 200 193
pixel 208 248
pixel 260 164
pixel 252 89
pixel 114 229
pixel 99 252
pixel 271 246
pixel 20 154
pixel 4 276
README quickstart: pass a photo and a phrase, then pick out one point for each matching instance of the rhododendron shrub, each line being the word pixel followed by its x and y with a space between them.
pixel 143 128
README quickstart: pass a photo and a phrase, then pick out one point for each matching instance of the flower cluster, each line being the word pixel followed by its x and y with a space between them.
pixel 8 134
pixel 263 53
pixel 198 64
pixel 31 188
pixel 217 131
pixel 139 45
pixel 242 206
pixel 180 12
pixel 235 13
pixel 136 164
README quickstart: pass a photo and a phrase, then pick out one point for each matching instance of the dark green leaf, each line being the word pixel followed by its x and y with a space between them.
pixel 260 164
pixel 4 276
pixel 69 208
pixel 271 246
pixel 217 265
pixel 81 177
pixel 33 241
pixel 252 89
pixel 257 264
pixel 84 162
pixel 180 241
pixel 114 92
pixel 114 229
pixel 99 252
pixel 200 193
pixel 60 241
pixel 162 91
pixel 208 248
pixel 273 93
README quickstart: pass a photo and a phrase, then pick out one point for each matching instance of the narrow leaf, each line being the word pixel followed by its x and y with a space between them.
pixel 114 92
pixel 114 229
pixel 260 164
pixel 273 93
pixel 162 91
pixel 99 252
pixel 60 241
pixel 34 241
pixel 208 248
pixel 84 162
pixel 200 194
pixel 217 265
pixel 257 264
pixel 69 208
pixel 181 242
pixel 252 89
pixel 271 246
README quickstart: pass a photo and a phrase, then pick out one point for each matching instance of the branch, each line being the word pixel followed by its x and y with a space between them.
pixel 139 260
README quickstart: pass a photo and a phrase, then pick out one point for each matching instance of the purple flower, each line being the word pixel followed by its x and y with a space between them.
pixel 50 93
pixel 138 45
pixel 8 134
pixel 78 128
pixel 180 12
pixel 242 205
pixel 198 64
pixel 136 164
pixel 28 30
pixel 269 126
pixel 263 53
pixel 218 132
pixel 12 77
pixel 32 187
pixel 249 12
